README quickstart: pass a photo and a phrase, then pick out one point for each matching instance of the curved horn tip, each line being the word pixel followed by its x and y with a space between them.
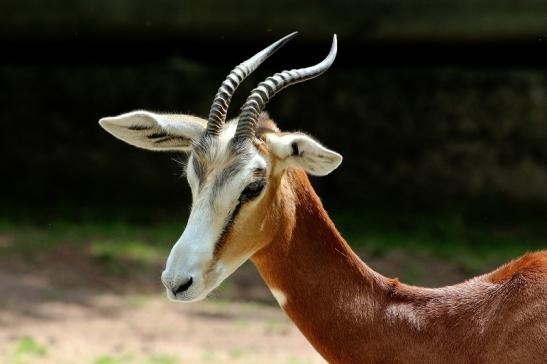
pixel 265 90
pixel 334 45
pixel 278 44
pixel 219 108
pixel 292 35
pixel 289 36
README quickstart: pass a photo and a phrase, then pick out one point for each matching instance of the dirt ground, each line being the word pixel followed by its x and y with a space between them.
pixel 65 307
pixel 148 329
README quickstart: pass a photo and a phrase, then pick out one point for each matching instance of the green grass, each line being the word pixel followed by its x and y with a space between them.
pixel 236 353
pixel 132 359
pixel 208 356
pixel 446 236
pixel 103 240
pixel 137 300
pixel 276 327
pixel 297 361
pixel 26 349
pixel 242 323
pixel 109 359
pixel 161 359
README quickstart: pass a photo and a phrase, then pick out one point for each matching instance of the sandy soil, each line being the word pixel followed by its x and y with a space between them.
pixel 66 307
pixel 141 329
pixel 71 313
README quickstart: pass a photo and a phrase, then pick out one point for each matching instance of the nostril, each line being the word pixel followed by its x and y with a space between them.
pixel 183 287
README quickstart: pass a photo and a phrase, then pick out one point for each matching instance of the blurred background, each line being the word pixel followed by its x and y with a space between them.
pixel 439 108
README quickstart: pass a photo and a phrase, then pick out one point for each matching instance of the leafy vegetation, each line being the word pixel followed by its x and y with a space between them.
pixel 132 359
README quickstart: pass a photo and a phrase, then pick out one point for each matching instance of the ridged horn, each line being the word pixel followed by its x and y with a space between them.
pixel 219 108
pixel 267 89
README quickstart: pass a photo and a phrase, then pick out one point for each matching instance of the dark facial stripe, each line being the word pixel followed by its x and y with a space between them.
pixel 226 229
pixel 255 189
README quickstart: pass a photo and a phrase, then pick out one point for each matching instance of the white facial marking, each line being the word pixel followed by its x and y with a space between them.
pixel 213 202
pixel 195 267
pixel 279 296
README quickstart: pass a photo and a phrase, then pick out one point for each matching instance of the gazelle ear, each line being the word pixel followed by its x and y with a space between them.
pixel 300 150
pixel 160 132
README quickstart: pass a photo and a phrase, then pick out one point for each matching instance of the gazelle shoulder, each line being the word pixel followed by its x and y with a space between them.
pixel 530 266
pixel 526 272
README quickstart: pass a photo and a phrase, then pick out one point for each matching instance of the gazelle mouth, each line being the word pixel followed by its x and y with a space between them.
pixel 185 296
pixel 195 289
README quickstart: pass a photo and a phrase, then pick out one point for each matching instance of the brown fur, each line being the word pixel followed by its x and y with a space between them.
pixel 528 264
pixel 352 314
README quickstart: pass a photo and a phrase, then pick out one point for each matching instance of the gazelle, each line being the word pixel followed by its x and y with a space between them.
pixel 252 199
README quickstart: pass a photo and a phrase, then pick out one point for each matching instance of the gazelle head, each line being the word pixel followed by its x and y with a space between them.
pixel 233 171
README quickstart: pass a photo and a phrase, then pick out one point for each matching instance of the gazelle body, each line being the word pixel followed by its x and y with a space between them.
pixel 252 199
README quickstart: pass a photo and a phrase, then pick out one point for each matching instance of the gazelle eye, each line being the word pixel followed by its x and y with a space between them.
pixel 252 190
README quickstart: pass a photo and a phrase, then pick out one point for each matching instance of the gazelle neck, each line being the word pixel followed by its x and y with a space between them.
pixel 318 280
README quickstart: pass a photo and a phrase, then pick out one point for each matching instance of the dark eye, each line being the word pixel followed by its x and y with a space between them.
pixel 252 190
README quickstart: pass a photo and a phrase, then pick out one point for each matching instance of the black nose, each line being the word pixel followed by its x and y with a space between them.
pixel 183 287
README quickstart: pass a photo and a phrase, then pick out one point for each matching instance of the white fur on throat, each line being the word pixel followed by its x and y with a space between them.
pixel 279 296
